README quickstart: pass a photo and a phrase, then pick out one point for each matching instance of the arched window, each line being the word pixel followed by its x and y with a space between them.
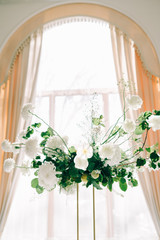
pixel 76 61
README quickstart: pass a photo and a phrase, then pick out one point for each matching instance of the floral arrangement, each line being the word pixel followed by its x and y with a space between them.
pixel 99 162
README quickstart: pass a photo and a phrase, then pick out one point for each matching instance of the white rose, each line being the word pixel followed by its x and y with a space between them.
pixel 32 147
pixel 154 122
pixel 134 102
pixel 81 163
pixel 7 146
pixel 106 150
pixel 85 151
pixel 47 176
pixel 129 126
pixel 26 111
pixel 8 165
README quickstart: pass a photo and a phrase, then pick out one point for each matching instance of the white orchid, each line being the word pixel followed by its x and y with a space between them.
pixel 81 163
pixel 85 151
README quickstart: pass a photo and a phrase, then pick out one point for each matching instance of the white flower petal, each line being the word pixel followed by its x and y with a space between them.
pixel 154 122
pixel 7 146
pixel 27 108
pixel 85 151
pixel 47 176
pixel 8 165
pixel 81 163
pixel 106 150
pixel 31 147
pixel 134 102
pixel 129 126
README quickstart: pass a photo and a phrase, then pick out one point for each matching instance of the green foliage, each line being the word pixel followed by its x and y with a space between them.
pixel 98 121
pixel 139 130
pixel 140 162
pixel 36 125
pixel 154 156
pixel 122 184
pixel 36 163
pixel 134 182
pixel 34 183
pixel 39 189
pixel 156 112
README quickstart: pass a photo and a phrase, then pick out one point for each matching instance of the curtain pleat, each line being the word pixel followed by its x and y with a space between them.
pixel 149 90
pixel 19 89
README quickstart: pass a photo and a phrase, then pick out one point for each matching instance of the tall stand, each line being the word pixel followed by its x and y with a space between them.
pixel 77 211
pixel 94 221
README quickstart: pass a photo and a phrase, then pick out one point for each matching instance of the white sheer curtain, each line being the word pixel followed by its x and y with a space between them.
pixel 21 85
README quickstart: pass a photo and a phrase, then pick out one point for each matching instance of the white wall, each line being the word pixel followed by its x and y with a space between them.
pixel 146 13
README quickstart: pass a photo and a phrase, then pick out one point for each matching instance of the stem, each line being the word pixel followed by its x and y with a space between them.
pixel 51 128
pixel 124 104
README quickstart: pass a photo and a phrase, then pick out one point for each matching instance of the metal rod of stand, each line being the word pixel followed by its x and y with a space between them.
pixel 94 222
pixel 77 211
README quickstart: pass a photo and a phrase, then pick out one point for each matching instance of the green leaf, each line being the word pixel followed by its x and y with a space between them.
pixel 139 130
pixel 72 149
pixel 96 121
pixel 140 149
pixel 34 183
pixel 36 173
pixel 134 182
pixel 36 125
pixel 156 112
pixel 152 165
pixel 45 134
pixel 39 189
pixel 154 156
pixel 96 185
pixel 50 130
pixel 43 143
pixel 122 180
pixel 148 149
pixel 140 162
pixel 109 184
pixel 123 186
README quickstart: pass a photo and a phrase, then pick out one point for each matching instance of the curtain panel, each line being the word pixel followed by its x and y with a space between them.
pixel 17 90
pixel 149 90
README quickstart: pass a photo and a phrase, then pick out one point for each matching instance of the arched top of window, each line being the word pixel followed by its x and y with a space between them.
pixel 128 26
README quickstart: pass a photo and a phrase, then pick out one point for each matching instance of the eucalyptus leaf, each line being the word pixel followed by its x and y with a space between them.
pixel 34 183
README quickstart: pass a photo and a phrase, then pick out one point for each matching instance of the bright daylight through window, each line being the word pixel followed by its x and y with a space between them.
pixel 76 62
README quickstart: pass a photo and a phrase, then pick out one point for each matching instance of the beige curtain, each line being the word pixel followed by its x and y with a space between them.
pixel 17 90
pixel 148 87
pixel 149 90
pixel 123 55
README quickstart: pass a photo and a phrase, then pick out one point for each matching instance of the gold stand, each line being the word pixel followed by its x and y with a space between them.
pixel 77 211
pixel 94 215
